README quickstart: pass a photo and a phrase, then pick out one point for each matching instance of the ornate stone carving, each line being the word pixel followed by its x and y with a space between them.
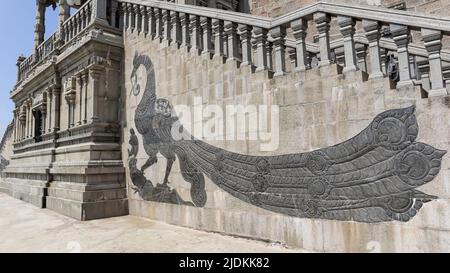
pixel 370 178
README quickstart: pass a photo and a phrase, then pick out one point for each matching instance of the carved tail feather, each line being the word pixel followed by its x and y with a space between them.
pixel 364 176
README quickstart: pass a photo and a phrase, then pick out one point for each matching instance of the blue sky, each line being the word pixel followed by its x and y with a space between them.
pixel 17 21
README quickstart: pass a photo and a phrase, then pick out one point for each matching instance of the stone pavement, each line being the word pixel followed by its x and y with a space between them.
pixel 25 228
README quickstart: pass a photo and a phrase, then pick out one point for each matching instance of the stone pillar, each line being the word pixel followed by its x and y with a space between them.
pixel 84 79
pixel 50 109
pixel 64 11
pixel 100 11
pixel 260 41
pixel 383 59
pixel 56 90
pixel 79 91
pixel 95 73
pixel 279 38
pixel 205 23
pixel 433 43
pixel 39 28
pixel 195 31
pixel 217 26
pixel 299 28
pixel 44 111
pixel 245 32
pixel 231 32
pixel 269 48
pixel 347 28
pixel 372 29
pixel 401 37
pixel 322 21
pixel 15 125
pixel 361 51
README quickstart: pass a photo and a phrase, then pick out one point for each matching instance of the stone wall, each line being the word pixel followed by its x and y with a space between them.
pixel 314 114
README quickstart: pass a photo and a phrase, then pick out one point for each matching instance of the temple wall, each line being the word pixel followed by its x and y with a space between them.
pixel 314 113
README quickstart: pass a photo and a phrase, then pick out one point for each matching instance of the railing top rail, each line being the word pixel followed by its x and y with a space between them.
pixel 412 19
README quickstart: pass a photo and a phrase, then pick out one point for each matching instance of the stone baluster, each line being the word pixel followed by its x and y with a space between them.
pixel 299 28
pixel 340 56
pixel 383 60
pixel 176 27
pixel 205 23
pixel 218 31
pixel 400 34
pixel 347 28
pixel 361 53
pixel 144 20
pixel 433 43
pixel 372 32
pixel 129 11
pixel 423 68
pixel 233 41
pixel 322 21
pixel 114 12
pixel 245 32
pixel 184 22
pixel 137 18
pixel 151 22
pixel 279 43
pixel 260 41
pixel 167 26
pixel 132 18
pixel 158 23
pixel 29 119
pixel 195 32
pixel 269 55
pixel 122 15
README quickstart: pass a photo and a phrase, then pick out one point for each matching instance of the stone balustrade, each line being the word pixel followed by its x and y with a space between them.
pixel 267 44
pixel 94 12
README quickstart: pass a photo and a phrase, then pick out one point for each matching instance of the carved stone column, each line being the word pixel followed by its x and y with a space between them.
pixel 217 26
pixel 423 68
pixel 260 41
pixel 323 27
pixel 79 91
pixel 44 111
pixel 279 38
pixel 372 29
pixel 85 79
pixel 95 73
pixel 401 37
pixel 299 28
pixel 347 28
pixel 129 15
pixel 245 32
pixel 56 90
pixel 433 43
pixel 39 28
pixel 50 109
